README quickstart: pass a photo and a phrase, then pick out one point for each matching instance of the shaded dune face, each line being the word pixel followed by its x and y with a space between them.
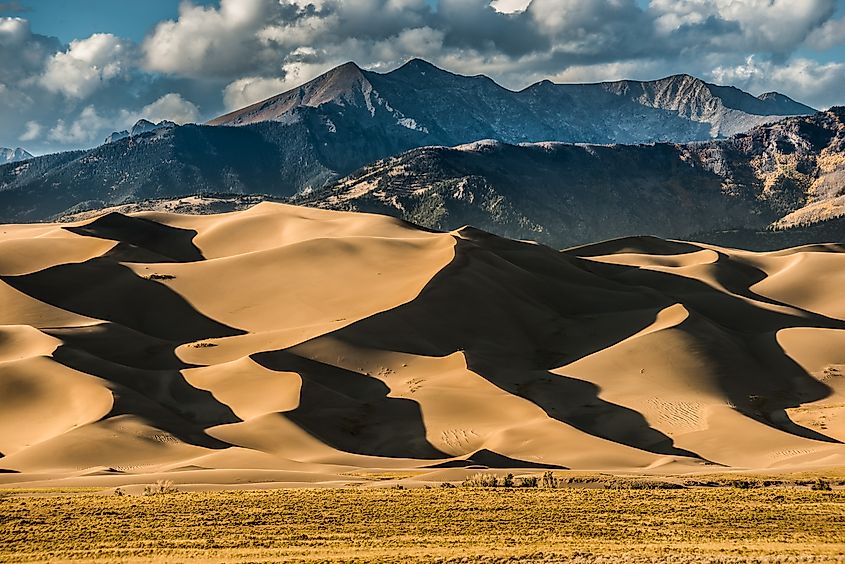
pixel 291 338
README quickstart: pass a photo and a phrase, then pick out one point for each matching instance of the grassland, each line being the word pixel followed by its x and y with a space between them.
pixel 439 524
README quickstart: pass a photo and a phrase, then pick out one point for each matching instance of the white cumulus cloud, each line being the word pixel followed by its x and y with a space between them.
pixel 171 107
pixel 83 130
pixel 86 65
pixel 32 131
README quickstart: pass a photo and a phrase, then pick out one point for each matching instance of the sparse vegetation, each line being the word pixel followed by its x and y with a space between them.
pixel 202 345
pixel 532 524
pixel 481 481
pixel 527 482
pixel 161 487
pixel 549 480
pixel 821 485
pixel 160 277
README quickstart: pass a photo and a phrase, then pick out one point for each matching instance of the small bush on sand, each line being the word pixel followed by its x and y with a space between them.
pixel 161 487
pixel 507 481
pixel 549 480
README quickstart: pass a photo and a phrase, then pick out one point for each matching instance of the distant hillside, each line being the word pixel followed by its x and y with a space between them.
pixel 783 176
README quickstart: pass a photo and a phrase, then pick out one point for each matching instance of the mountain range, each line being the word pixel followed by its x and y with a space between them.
pixel 430 106
pixel 301 144
pixel 783 176
pixel 13 155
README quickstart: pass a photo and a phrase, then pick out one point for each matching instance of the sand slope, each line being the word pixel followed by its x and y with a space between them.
pixel 308 344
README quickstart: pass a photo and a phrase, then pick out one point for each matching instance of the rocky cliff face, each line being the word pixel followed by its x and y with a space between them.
pixel 787 175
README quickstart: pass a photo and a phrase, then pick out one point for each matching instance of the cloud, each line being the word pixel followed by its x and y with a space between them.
pixel 221 56
pixel 170 107
pixel 208 41
pixel 86 65
pixel 32 132
pixel 817 84
pixel 510 6
pixel 22 52
pixel 831 34
pixel 246 91
pixel 83 130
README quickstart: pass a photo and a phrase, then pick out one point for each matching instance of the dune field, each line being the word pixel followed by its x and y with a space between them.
pixel 285 345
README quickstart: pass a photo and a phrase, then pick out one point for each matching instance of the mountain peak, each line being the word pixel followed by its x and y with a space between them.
pixel 417 63
pixel 346 69
pixel 141 126
pixel 336 84
pixel 13 155
pixel 419 66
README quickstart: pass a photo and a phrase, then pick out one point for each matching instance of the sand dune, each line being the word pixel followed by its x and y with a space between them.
pixel 308 344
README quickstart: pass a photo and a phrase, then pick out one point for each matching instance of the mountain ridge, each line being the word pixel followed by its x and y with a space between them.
pixel 9 155
pixel 543 111
pixel 778 177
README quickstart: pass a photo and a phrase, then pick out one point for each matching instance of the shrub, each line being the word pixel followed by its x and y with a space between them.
pixel 447 485
pixel 549 480
pixel 481 481
pixel 507 482
pixel 527 482
pixel 821 485
pixel 643 485
pixel 744 484
pixel 161 487
pixel 160 277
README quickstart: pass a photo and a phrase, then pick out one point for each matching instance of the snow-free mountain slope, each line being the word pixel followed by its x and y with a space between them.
pixel 789 175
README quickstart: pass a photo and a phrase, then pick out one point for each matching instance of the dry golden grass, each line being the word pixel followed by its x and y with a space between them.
pixel 699 524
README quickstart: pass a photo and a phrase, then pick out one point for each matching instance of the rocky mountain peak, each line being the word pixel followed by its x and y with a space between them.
pixel 8 155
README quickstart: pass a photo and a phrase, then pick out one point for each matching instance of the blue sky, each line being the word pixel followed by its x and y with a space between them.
pixel 73 71
pixel 71 19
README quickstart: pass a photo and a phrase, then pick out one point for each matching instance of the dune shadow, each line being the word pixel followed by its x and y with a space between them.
pixel 104 289
pixel 142 237
pixel 562 317
pixel 488 459
pixel 145 322
pixel 351 411
pixel 772 382
pixel 514 325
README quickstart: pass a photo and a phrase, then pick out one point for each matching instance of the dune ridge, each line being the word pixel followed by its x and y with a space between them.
pixel 287 345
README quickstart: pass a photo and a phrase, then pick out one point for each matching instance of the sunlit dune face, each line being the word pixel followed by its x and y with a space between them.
pixel 296 340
